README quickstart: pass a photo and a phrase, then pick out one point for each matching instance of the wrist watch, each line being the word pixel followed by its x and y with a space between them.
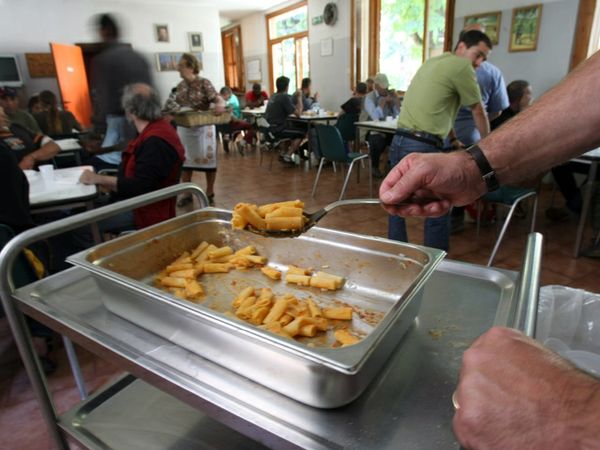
pixel 487 173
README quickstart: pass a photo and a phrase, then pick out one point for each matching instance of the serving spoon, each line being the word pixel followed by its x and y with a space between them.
pixel 313 218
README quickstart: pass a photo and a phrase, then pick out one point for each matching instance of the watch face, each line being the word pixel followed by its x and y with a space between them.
pixel 330 13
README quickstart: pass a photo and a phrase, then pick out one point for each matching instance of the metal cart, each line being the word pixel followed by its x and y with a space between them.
pixel 172 398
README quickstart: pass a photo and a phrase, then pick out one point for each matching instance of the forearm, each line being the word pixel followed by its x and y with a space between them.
pixel 45 152
pixel 106 181
pixel 481 120
pixel 561 125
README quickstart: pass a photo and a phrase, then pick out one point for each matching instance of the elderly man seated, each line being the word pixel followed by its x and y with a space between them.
pixel 151 161
pixel 29 149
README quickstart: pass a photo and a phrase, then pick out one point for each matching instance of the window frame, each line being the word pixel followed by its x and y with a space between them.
pixel 277 40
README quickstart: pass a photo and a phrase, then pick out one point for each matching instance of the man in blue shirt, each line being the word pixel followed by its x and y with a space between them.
pixel 378 105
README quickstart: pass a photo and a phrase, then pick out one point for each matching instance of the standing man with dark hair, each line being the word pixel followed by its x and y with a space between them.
pixel 280 106
pixel 113 69
pixel 438 89
pixel 494 99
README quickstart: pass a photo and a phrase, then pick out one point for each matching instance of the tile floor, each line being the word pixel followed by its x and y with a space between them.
pixel 241 178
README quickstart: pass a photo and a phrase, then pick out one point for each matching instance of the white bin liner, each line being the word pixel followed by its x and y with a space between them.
pixel 568 322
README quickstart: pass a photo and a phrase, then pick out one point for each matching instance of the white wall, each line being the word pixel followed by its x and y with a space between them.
pixel 330 75
pixel 29 25
pixel 544 67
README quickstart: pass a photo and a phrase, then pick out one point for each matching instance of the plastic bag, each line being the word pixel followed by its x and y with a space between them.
pixel 568 322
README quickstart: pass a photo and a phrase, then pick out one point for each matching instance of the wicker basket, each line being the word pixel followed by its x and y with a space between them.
pixel 200 118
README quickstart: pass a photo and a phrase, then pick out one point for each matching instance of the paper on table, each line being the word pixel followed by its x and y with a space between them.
pixel 68 144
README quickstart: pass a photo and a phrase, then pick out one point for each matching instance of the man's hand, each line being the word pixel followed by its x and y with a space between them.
pixel 88 177
pixel 453 178
pixel 27 163
pixel 514 393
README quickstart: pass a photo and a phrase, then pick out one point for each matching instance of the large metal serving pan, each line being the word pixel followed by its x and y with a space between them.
pixel 381 275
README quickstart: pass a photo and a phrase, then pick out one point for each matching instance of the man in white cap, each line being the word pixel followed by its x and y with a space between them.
pixel 379 104
pixel 436 92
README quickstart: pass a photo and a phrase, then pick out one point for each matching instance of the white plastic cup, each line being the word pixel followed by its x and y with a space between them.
pixel 389 118
pixel 47 171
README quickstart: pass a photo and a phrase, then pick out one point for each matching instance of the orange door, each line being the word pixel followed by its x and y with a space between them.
pixel 72 81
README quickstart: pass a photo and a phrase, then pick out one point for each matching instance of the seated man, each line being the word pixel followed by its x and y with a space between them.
pixel 237 124
pixel 29 149
pixel 520 97
pixel 256 97
pixel 151 161
pixel 308 101
pixel 280 106
pixel 379 104
pixel 9 100
pixel 355 103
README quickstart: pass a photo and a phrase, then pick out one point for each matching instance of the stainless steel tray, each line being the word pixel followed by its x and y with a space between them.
pixel 382 275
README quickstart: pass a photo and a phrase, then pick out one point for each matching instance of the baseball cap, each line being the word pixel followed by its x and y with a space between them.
pixel 8 92
pixel 382 80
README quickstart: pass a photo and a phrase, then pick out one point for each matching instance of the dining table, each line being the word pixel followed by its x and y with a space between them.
pixel 64 191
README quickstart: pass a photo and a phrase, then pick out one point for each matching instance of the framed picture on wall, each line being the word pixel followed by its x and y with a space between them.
pixel 525 28
pixel 196 42
pixel 161 31
pixel 167 62
pixel 490 21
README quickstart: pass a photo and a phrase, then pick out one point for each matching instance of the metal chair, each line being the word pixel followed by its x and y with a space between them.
pixel 333 149
pixel 268 142
pixel 509 197
pixel 226 136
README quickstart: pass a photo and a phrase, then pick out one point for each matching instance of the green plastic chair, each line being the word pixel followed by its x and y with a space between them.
pixel 508 197
pixel 345 124
pixel 333 149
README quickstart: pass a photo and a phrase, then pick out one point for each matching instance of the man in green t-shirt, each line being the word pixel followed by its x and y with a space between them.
pixel 436 92
pixel 9 100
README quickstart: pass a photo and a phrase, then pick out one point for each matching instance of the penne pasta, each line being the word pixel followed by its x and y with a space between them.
pixel 285 211
pixel 187 273
pixel 216 267
pixel 250 214
pixel 297 270
pixel 177 267
pixel 201 247
pixel 274 274
pixel 249 250
pixel 203 256
pixel 302 280
pixel 345 337
pixel 284 223
pixel 340 313
pixel 270 207
pixel 277 311
pixel 246 292
pixel 315 311
pixel 220 252
pixel 173 282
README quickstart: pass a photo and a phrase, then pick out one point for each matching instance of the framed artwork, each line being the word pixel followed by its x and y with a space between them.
pixel 525 28
pixel 490 22
pixel 161 31
pixel 40 65
pixel 167 62
pixel 196 42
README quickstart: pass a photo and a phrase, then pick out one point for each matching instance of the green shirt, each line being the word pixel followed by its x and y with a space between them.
pixel 234 104
pixel 438 89
pixel 26 120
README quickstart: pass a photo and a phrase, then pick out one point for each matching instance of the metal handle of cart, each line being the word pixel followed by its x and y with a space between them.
pixel 16 321
pixel 529 286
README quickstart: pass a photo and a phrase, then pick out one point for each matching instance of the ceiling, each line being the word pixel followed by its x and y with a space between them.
pixel 236 9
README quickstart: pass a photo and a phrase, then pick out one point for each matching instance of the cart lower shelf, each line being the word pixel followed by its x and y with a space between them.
pixel 130 414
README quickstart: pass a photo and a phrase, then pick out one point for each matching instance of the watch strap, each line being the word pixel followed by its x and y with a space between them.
pixel 487 173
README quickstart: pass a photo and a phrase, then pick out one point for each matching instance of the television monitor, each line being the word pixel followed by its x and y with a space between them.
pixel 10 74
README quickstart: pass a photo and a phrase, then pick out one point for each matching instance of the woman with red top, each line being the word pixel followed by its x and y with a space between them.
pixel 151 161
pixel 200 143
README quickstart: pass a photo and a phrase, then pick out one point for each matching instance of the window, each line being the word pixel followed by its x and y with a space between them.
pixel 287 34
pixel 401 35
